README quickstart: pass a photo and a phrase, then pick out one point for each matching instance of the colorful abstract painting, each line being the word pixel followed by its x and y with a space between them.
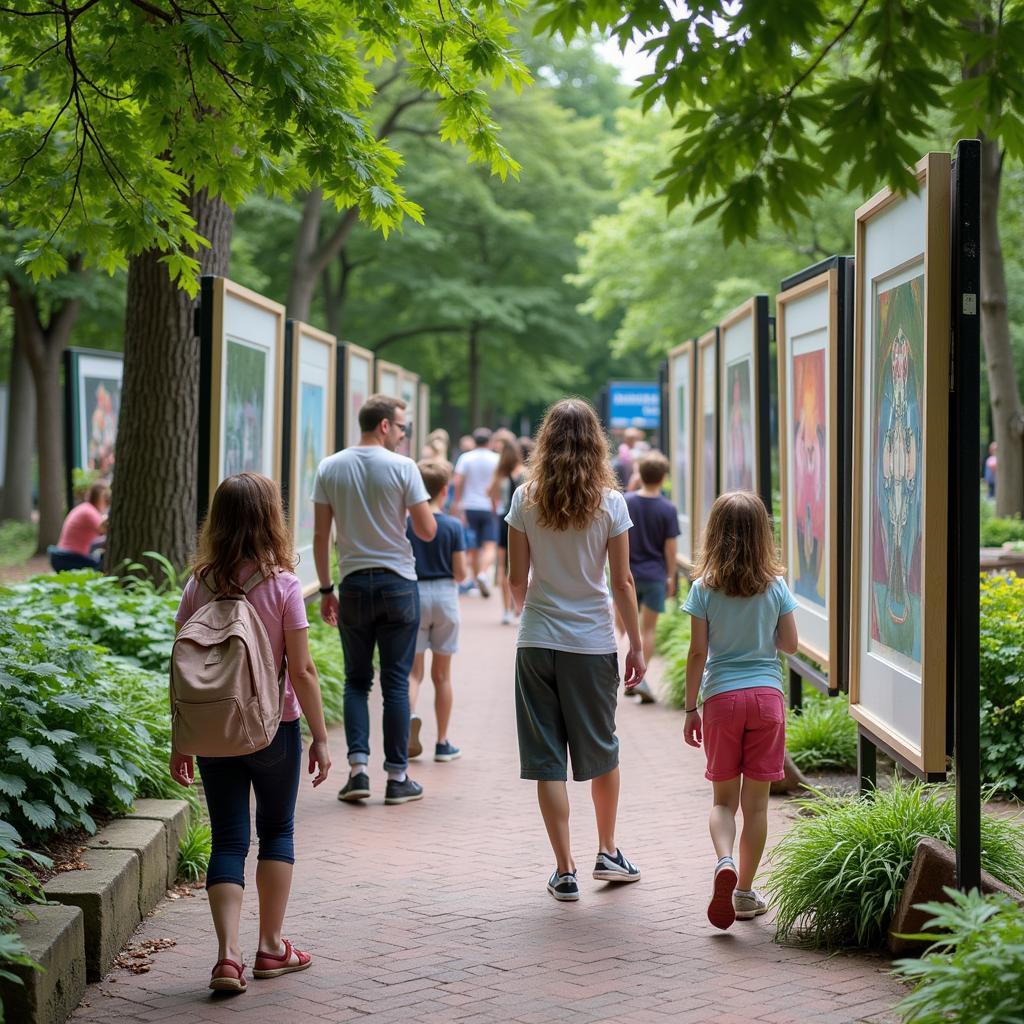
pixel 100 411
pixel 709 457
pixel 738 427
pixel 896 467
pixel 245 409
pixel 809 472
pixel 358 392
pixel 311 450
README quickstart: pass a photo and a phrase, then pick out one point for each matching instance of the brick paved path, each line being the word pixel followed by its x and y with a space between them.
pixel 436 911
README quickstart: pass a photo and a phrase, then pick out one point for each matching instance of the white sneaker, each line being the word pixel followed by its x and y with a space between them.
pixel 485 587
pixel 721 912
pixel 748 904
pixel 506 618
pixel 415 745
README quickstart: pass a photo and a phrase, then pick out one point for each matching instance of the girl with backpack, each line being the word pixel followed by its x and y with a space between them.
pixel 567 520
pixel 741 615
pixel 244 565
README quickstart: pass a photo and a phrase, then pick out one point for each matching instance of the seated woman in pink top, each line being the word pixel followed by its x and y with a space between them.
pixel 85 524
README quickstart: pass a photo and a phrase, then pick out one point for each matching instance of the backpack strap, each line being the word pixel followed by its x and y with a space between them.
pixel 252 582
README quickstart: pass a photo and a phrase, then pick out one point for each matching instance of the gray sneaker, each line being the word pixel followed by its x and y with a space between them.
pixel 643 691
pixel 748 904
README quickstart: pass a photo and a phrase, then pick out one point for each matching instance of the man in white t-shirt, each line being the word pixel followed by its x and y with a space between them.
pixel 366 492
pixel 473 475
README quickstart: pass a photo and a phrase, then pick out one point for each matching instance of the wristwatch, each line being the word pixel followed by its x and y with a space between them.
pixel 329 589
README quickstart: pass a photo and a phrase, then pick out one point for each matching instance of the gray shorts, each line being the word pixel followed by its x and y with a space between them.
pixel 566 700
pixel 439 617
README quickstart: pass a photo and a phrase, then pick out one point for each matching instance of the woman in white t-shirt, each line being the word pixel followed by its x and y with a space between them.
pixel 567 521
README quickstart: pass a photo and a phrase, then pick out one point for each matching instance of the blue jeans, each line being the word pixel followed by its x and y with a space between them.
pixel 378 608
pixel 273 774
pixel 63 561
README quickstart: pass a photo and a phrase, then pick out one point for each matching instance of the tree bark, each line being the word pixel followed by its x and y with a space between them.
pixel 21 411
pixel 154 500
pixel 1007 413
pixel 43 345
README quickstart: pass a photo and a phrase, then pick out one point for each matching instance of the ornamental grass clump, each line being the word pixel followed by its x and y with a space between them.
pixel 822 736
pixel 838 874
pixel 672 642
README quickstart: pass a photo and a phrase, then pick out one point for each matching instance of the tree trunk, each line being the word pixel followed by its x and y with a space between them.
pixel 21 411
pixel 44 346
pixel 302 286
pixel 1007 414
pixel 474 377
pixel 154 500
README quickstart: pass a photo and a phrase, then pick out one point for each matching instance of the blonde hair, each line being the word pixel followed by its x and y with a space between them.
pixel 435 474
pixel 245 524
pixel 570 468
pixel 739 555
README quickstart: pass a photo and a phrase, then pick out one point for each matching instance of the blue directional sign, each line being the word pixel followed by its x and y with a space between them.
pixel 634 403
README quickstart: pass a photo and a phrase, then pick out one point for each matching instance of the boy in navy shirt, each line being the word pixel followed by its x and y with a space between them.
pixel 440 566
pixel 652 550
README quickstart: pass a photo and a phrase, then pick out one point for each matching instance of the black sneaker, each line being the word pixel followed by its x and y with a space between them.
pixel 446 751
pixel 357 788
pixel 564 888
pixel 402 792
pixel 615 869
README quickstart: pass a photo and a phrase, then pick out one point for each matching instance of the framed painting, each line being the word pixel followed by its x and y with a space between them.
pixel 409 392
pixel 681 362
pixel 389 378
pixel 898 622
pixel 744 441
pixel 423 414
pixel 355 384
pixel 706 468
pixel 241 371
pixel 92 401
pixel 814 335
pixel 310 410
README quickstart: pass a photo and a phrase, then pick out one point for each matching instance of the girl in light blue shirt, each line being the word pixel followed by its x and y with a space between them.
pixel 741 615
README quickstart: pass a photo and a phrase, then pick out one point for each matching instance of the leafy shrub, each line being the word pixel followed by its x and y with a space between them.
pixel 18 887
pixel 194 852
pixel 1002 681
pixel 975 970
pixel 81 730
pixel 999 530
pixel 839 872
pixel 672 641
pixel 822 736
pixel 325 647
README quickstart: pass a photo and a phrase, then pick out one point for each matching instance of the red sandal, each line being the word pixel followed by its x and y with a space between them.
pixel 273 965
pixel 225 983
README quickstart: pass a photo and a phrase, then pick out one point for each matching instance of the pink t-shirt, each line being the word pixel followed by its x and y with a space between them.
pixel 278 603
pixel 81 528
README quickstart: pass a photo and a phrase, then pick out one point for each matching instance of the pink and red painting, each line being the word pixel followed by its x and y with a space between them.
pixel 809 475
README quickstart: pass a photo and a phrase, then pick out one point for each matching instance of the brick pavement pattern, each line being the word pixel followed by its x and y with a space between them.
pixel 437 910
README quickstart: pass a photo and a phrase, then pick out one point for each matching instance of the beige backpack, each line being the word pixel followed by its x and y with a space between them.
pixel 226 691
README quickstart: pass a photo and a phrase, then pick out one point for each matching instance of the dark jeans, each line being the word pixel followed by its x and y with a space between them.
pixel 64 561
pixel 378 608
pixel 273 774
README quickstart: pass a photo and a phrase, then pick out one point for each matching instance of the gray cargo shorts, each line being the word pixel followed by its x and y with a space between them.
pixel 566 700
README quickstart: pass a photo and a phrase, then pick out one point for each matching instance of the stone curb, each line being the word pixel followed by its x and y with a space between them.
pixel 56 940
pixel 148 841
pixel 174 815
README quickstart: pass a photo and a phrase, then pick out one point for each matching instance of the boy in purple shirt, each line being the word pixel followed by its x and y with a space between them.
pixel 652 550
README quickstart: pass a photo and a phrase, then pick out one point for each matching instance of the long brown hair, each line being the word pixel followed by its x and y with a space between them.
pixel 245 524
pixel 570 467
pixel 508 461
pixel 739 555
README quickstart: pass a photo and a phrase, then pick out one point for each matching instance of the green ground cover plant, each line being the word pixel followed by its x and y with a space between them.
pixel 18 888
pixel 975 970
pixel 17 542
pixel 838 873
pixel 822 736
pixel 1002 682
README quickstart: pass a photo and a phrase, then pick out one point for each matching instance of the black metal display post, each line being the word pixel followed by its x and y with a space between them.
pixel 204 331
pixel 340 401
pixel 965 431
pixel 287 442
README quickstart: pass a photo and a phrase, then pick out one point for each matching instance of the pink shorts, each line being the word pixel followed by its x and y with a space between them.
pixel 745 734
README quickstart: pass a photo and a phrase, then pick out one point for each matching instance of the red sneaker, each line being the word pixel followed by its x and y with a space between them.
pixel 721 912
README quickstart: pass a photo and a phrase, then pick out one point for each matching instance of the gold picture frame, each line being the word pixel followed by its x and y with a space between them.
pixel 902 275
pixel 358 367
pixel 706 458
